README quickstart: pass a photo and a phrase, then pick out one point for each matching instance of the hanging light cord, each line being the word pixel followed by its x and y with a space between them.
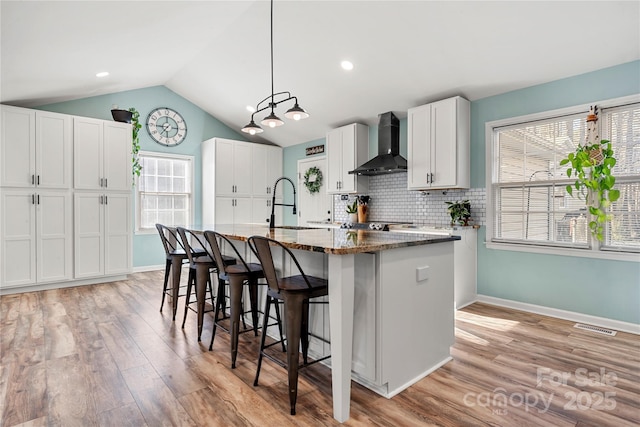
pixel 272 87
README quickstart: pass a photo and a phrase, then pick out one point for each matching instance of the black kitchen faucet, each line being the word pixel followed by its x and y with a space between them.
pixel 273 200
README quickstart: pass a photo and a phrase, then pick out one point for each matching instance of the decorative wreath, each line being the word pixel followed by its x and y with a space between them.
pixel 313 179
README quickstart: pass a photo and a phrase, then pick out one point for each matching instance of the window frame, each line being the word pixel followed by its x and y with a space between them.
pixel 594 251
pixel 138 205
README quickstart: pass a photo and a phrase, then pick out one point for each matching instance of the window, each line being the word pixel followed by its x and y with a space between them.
pixel 527 200
pixel 164 190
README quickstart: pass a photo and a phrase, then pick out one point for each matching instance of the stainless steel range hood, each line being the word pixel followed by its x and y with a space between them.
pixel 388 159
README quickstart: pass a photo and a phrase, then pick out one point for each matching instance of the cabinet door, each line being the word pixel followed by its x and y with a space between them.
pixel 224 168
pixel 259 167
pixel 242 210
pixel 334 161
pixel 53 150
pixel 88 235
pixel 419 147
pixel 87 153
pixel 18 238
pixel 260 210
pixel 274 167
pixel 117 233
pixel 224 210
pixel 117 156
pixel 242 169
pixel 348 182
pixel 54 236
pixel 443 145
pixel 17 147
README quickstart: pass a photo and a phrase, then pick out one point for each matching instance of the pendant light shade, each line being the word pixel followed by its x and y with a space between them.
pixel 252 128
pixel 272 120
pixel 296 113
pixel 272 101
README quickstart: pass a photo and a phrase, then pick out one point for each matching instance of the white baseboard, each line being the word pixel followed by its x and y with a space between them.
pixel 60 285
pixel 145 268
pixel 573 316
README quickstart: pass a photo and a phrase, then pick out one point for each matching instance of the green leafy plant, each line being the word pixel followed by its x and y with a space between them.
pixel 460 212
pixel 135 145
pixel 353 208
pixel 591 166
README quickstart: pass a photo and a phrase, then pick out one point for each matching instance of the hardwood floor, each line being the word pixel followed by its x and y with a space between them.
pixel 104 355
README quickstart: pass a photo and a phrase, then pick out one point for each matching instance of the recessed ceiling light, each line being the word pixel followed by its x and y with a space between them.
pixel 251 109
pixel 347 65
pixel 102 74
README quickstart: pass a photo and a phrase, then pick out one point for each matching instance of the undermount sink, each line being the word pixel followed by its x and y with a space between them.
pixel 294 227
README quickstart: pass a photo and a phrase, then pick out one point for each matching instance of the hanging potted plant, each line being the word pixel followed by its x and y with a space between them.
pixel 591 165
pixel 124 116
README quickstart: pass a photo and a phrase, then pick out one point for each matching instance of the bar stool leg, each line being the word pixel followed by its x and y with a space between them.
pixel 279 320
pixel 235 291
pixel 263 338
pixel 202 276
pixel 220 298
pixel 253 301
pixel 190 282
pixel 293 312
pixel 176 268
pixel 167 269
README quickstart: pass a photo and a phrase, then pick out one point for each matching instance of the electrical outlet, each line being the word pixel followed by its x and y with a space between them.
pixel 344 197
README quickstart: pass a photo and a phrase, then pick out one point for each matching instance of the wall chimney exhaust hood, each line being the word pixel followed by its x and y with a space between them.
pixel 388 159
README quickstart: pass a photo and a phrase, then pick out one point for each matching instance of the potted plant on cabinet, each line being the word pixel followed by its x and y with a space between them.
pixel 460 212
pixel 591 165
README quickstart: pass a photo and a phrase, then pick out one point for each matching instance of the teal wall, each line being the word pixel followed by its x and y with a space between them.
pixel 201 126
pixel 596 287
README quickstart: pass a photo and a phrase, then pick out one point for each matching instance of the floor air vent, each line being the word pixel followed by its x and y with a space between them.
pixel 595 329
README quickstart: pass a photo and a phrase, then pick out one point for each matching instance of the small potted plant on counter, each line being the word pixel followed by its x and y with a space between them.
pixel 460 212
pixel 363 207
pixel 352 210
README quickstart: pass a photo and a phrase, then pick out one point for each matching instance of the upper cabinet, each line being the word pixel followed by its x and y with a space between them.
pixel 438 137
pixel 35 149
pixel 347 148
pixel 102 154
pixel 266 163
pixel 232 170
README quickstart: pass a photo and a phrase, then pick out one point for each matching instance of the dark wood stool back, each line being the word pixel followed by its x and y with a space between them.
pixel 175 257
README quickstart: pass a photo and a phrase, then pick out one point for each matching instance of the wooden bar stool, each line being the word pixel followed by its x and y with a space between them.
pixel 295 292
pixel 175 257
pixel 237 275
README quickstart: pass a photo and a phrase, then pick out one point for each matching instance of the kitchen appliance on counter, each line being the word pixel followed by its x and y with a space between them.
pixel 372 225
pixel 464 257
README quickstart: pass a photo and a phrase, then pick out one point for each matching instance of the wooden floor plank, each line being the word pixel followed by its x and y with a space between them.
pixel 105 355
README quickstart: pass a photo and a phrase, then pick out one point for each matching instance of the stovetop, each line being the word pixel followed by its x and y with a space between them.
pixel 371 225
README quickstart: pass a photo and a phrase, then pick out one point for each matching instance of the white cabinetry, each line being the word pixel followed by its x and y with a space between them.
pixel 347 148
pixel 102 155
pixel 237 180
pixel 35 149
pixel 36 236
pixel 102 234
pixel 438 145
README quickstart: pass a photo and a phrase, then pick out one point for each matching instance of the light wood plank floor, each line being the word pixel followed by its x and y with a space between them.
pixel 104 355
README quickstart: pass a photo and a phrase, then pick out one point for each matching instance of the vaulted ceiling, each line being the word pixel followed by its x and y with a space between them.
pixel 216 53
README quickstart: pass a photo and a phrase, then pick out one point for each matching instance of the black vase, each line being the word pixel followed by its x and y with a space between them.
pixel 123 116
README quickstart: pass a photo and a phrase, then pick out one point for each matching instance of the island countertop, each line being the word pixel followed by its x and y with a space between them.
pixel 335 241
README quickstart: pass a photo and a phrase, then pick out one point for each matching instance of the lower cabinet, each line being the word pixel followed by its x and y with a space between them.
pixel 231 210
pixel 261 210
pixel 102 240
pixel 35 236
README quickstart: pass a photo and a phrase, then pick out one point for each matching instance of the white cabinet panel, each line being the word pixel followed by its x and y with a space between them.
pixel 117 231
pixel 17 147
pixel 266 168
pixel 18 237
pixel 54 236
pixel 102 155
pixel 242 169
pixel 53 150
pixel 347 148
pixel 223 167
pixel 89 235
pixel 438 145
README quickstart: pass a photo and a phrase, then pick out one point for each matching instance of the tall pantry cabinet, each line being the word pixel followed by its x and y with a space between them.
pixel 37 191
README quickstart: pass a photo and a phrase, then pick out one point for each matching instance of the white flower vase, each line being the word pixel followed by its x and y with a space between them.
pixel 353 218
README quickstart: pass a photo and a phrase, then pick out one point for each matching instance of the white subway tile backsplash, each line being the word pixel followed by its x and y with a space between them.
pixel 391 201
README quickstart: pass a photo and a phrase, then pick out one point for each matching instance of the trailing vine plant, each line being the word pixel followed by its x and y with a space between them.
pixel 591 166
pixel 135 145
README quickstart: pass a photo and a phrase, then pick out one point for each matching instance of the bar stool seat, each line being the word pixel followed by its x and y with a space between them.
pixel 296 292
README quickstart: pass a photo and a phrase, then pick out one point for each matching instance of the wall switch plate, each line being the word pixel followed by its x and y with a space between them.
pixel 344 197
pixel 422 273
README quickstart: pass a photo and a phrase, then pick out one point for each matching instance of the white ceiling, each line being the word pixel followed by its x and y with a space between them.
pixel 216 53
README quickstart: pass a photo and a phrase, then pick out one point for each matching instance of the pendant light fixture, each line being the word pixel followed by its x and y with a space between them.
pixel 272 120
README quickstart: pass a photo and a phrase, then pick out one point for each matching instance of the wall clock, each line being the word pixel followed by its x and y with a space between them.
pixel 166 126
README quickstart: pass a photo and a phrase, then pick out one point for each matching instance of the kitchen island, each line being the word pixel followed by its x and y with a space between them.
pixel 403 310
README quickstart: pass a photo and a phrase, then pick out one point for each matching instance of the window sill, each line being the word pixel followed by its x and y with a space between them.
pixel 582 253
pixel 145 231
